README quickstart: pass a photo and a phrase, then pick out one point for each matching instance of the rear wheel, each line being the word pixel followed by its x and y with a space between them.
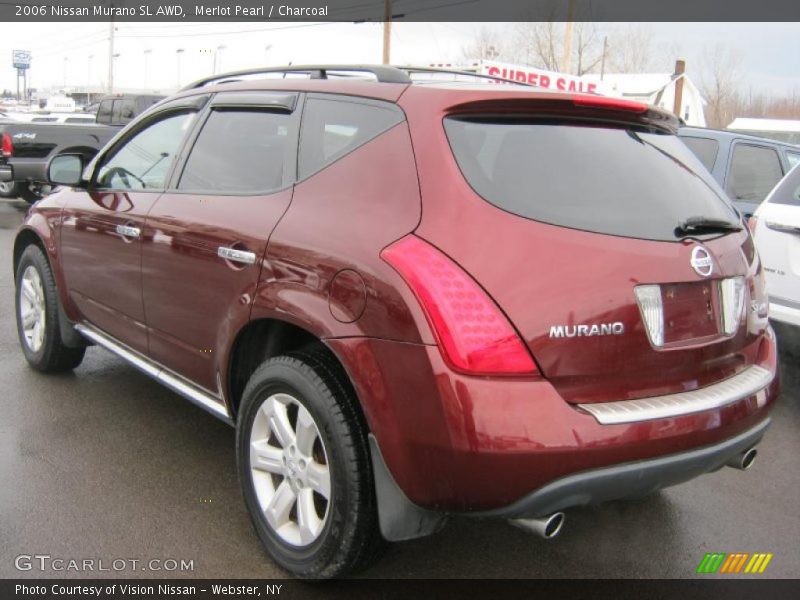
pixel 37 316
pixel 304 466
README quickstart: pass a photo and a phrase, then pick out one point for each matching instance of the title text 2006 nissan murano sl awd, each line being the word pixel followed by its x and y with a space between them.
pixel 412 297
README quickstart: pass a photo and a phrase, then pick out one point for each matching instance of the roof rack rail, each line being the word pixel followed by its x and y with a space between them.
pixel 411 70
pixel 383 73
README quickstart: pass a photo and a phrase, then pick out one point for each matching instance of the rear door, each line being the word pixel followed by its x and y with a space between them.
pixel 778 238
pixel 103 226
pixel 206 236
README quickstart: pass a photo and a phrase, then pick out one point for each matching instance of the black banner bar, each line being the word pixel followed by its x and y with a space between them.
pixel 401 10
pixel 290 589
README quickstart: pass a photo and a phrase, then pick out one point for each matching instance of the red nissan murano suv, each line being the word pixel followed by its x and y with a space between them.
pixel 412 297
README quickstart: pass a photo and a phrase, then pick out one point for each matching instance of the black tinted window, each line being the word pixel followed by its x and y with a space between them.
pixel 124 111
pixel 614 181
pixel 143 161
pixel 104 111
pixel 704 148
pixel 753 173
pixel 788 192
pixel 332 128
pixel 239 151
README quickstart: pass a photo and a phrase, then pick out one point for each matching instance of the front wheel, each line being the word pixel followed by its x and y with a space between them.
pixel 304 466
pixel 37 316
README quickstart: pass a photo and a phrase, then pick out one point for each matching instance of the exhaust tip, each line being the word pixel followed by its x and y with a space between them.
pixel 553 525
pixel 545 527
pixel 744 460
pixel 748 458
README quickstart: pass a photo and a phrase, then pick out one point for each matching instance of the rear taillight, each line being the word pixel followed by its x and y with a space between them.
pixel 751 224
pixel 473 334
pixel 7 146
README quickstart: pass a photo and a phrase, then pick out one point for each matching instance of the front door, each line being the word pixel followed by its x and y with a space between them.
pixel 205 239
pixel 101 235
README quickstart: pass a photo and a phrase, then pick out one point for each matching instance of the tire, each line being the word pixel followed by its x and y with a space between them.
pixel 36 292
pixel 342 535
pixel 8 189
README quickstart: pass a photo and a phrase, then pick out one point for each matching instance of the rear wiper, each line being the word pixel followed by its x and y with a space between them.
pixel 706 225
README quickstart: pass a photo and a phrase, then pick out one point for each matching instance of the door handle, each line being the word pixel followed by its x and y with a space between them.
pixel 234 255
pixel 128 231
pixel 784 227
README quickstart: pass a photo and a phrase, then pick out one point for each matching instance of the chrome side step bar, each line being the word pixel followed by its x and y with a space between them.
pixel 174 382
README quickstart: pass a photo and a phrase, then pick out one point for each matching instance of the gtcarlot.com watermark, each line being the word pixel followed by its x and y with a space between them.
pixel 46 563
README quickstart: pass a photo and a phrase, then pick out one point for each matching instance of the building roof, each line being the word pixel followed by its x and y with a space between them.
pixel 751 124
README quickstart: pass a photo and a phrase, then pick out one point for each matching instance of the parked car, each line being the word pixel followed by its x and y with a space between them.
pixel 428 299
pixel 29 146
pixel 747 167
pixel 776 224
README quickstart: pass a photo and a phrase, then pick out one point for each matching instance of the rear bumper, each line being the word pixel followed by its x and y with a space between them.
pixel 29 169
pixel 456 443
pixel 629 479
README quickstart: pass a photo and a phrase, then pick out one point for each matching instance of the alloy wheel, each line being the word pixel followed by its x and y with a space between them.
pixel 289 470
pixel 32 308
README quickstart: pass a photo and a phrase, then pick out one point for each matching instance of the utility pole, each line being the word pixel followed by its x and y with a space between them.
pixel 603 61
pixel 147 53
pixel 678 77
pixel 387 31
pixel 567 59
pixel 111 51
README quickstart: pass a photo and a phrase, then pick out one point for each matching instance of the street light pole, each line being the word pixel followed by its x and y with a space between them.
pixel 178 53
pixel 216 52
pixel 66 58
pixel 89 79
pixel 146 56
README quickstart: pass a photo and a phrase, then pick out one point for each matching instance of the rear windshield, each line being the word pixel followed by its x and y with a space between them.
pixel 595 178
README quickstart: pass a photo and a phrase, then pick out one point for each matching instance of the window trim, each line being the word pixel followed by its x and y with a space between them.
pixel 131 131
pixel 289 170
pixel 384 104
pixel 740 142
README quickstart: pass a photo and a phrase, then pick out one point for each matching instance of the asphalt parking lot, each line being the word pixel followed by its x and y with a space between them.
pixel 107 464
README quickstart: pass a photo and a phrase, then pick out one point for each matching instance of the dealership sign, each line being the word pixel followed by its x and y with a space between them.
pixel 538 77
pixel 21 59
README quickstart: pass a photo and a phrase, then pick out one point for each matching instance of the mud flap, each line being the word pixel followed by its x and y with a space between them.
pixel 400 519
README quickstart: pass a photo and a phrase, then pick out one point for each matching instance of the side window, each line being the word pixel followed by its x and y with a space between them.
pixel 143 161
pixel 104 111
pixel 793 158
pixel 123 112
pixel 332 128
pixel 239 151
pixel 703 148
pixel 753 173
pixel 788 192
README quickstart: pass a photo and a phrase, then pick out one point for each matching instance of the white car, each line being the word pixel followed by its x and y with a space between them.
pixel 776 224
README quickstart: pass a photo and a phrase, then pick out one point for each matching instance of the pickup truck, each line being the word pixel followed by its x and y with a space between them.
pixel 29 147
pixel 745 166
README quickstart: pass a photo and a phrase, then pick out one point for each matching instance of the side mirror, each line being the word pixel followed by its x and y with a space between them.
pixel 66 169
pixel 6 173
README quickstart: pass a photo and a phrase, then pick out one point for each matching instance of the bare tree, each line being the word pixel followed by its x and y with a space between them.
pixel 630 50
pixel 541 44
pixel 719 83
pixel 485 45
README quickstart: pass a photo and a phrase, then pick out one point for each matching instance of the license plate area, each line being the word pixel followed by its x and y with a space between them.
pixel 691 312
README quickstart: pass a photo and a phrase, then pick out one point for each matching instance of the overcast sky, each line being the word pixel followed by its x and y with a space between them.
pixel 770 52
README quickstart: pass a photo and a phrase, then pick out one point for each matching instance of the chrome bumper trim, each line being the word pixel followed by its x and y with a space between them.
pixel 750 381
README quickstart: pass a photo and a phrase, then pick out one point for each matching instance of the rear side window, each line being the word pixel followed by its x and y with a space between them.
pixel 332 128
pixel 595 178
pixel 753 173
pixel 239 151
pixel 104 111
pixel 704 148
pixel 788 192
